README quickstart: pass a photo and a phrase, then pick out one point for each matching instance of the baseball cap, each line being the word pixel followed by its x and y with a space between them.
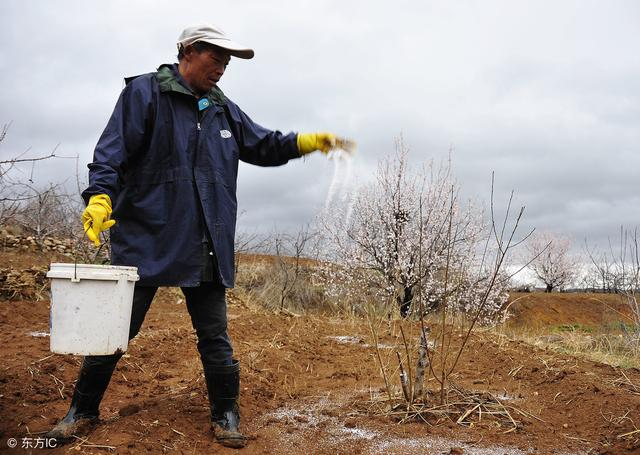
pixel 211 34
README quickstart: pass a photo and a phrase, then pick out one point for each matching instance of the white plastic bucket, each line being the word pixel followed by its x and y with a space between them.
pixel 90 308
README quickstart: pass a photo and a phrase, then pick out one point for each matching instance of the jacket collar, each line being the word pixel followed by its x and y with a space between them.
pixel 170 80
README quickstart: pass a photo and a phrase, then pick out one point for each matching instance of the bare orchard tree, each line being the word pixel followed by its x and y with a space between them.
pixel 607 272
pixel 621 262
pixel 551 262
pixel 600 275
pixel 405 233
pixel 290 252
pixel 9 206
pixel 12 192
pixel 247 242
pixel 46 212
pixel 618 268
pixel 628 263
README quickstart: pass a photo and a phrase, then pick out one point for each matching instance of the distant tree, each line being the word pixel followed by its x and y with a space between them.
pixel 602 274
pixel 612 268
pixel 627 262
pixel 551 261
pixel 618 270
pixel 247 242
pixel 290 251
pixel 12 188
pixel 46 212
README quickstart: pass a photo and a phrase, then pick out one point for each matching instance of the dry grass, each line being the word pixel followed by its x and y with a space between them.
pixel 616 349
pixel 265 283
pixel 597 327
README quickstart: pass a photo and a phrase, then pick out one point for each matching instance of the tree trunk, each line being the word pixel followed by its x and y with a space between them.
pixel 405 302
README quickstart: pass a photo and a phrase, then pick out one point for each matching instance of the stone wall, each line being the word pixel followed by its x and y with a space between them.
pixel 25 242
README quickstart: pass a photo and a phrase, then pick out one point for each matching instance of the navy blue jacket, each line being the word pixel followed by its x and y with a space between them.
pixel 170 170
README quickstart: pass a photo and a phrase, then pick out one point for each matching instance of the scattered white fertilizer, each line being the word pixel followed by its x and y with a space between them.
pixel 345 339
pixel 313 415
pixel 342 189
pixel 38 334
pixel 308 416
pixel 505 397
pixel 436 445
pixel 358 433
pixel 336 181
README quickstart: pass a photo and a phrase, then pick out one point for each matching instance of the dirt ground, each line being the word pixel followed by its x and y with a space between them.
pixel 539 311
pixel 309 385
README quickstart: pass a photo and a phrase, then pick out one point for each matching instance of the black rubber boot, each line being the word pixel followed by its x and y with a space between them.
pixel 223 385
pixel 83 414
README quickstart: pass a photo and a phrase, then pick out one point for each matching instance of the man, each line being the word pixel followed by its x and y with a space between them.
pixel 168 162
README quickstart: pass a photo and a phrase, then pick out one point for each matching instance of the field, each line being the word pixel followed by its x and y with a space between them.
pixel 311 382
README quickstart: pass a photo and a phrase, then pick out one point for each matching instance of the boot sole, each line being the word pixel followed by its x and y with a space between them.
pixel 231 439
pixel 64 432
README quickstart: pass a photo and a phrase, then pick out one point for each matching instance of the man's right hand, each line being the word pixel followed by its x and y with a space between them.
pixel 324 142
pixel 95 217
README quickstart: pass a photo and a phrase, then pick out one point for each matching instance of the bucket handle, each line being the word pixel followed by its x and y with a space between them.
pixel 75 278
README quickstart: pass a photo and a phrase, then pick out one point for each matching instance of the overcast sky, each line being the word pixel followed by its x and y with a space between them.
pixel 544 93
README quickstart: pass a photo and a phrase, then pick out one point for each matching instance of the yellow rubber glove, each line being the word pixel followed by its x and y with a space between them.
pixel 95 217
pixel 310 142
pixel 325 142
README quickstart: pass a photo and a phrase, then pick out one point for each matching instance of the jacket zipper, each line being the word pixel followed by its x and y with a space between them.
pixel 199 115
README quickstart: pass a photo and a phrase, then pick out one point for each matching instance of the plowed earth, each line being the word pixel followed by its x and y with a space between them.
pixel 310 384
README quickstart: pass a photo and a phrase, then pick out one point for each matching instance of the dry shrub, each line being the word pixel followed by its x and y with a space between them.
pixel 268 284
pixel 29 284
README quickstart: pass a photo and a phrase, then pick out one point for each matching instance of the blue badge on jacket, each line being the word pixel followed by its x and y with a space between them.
pixel 203 104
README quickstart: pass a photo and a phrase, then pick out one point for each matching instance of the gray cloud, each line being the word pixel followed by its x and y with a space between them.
pixel 545 94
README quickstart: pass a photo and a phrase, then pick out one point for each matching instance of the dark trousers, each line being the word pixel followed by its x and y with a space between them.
pixel 207 307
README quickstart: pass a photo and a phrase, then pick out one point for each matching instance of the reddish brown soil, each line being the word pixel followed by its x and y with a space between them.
pixel 304 389
pixel 590 311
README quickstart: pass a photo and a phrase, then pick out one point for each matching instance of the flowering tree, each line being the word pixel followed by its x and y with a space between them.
pixel 407 242
pixel 552 264
pixel 406 238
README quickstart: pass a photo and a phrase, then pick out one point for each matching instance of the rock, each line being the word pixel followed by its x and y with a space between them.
pixel 49 368
pixel 128 410
pixel 350 423
pixel 551 338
